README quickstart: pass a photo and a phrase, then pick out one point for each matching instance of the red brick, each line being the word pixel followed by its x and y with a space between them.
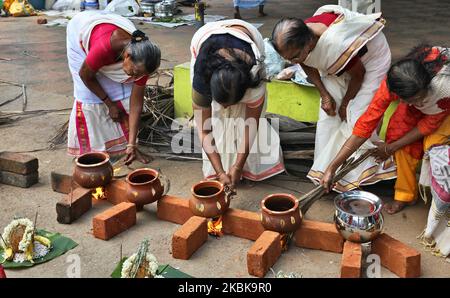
pixel 62 183
pixel 19 180
pixel 18 163
pixel 74 205
pixel 264 253
pixel 319 235
pixel 114 221
pixel 174 209
pixel 190 237
pixel 243 224
pixel 351 260
pixel 396 256
pixel 116 191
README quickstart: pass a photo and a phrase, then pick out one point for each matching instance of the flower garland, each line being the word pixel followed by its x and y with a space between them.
pixel 151 269
pixel 27 235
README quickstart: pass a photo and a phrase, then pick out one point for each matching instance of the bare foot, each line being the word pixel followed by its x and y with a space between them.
pixel 396 206
pixel 262 14
pixel 237 16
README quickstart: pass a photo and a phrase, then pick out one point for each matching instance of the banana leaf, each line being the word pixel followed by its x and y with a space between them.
pixel 60 245
pixel 165 270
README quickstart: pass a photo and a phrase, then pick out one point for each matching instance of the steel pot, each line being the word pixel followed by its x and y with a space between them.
pixel 164 9
pixel 358 216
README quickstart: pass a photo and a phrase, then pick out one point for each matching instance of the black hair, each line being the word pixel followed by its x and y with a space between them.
pixel 142 50
pixel 411 74
pixel 228 79
pixel 291 33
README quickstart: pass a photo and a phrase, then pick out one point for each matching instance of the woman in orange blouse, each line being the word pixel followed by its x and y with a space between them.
pixel 421 81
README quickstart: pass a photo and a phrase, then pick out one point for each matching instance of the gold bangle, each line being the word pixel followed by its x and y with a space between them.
pixel 345 146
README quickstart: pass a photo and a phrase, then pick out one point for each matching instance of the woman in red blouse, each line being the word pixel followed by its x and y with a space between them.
pixel 421 81
pixel 110 61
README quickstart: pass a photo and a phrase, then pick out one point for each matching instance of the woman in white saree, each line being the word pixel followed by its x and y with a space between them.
pixel 346 56
pixel 229 92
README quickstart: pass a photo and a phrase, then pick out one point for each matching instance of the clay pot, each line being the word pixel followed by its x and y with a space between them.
pixel 144 187
pixel 280 213
pixel 93 170
pixel 209 199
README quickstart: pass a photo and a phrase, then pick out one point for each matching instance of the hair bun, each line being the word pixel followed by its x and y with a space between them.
pixel 138 36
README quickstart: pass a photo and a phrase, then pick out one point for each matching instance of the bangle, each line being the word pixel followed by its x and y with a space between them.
pixel 236 167
pixel 131 145
pixel 348 148
pixel 105 98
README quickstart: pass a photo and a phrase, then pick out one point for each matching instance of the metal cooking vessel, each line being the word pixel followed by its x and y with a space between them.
pixel 165 8
pixel 358 216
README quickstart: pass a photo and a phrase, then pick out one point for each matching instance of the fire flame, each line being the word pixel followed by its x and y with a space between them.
pixel 285 240
pixel 215 226
pixel 116 170
pixel 99 193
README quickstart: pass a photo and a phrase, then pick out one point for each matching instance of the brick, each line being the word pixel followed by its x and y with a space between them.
pixel 190 237
pixel 18 163
pixel 19 180
pixel 174 209
pixel 62 183
pixel 72 207
pixel 114 220
pixel 264 253
pixel 396 256
pixel 319 235
pixel 351 260
pixel 243 224
pixel 116 192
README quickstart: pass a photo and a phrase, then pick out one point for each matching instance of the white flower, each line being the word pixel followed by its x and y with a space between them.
pixel 27 235
pixel 128 264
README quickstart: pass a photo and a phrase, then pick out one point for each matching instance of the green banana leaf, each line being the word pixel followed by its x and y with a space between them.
pixel 60 245
pixel 165 270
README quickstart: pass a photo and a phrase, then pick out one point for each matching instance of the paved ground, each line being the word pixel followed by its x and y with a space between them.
pixel 39 61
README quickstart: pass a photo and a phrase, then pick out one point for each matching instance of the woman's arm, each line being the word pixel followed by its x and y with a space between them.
pixel 89 78
pixel 252 116
pixel 356 72
pixel 202 117
pixel 328 102
pixel 136 104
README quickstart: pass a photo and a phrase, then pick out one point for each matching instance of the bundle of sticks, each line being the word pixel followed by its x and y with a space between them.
pixel 316 193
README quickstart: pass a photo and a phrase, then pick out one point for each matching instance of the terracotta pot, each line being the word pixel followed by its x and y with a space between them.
pixel 144 187
pixel 93 170
pixel 280 213
pixel 209 199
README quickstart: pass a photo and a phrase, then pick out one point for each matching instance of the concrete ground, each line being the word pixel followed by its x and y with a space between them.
pixel 39 61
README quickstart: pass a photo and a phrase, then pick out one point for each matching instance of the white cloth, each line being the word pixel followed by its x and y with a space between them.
pixel 343 39
pixel 332 132
pixel 436 169
pixel 91 129
pixel 116 83
pixel 228 124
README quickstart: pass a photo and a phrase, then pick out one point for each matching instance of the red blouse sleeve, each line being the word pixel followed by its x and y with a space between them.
pixel 100 51
pixel 142 81
pixel 368 121
pixel 430 123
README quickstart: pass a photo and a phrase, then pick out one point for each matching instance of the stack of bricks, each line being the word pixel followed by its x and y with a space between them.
pixel 18 169
pixel 395 256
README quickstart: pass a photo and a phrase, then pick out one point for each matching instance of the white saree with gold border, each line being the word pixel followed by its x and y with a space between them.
pixel 335 48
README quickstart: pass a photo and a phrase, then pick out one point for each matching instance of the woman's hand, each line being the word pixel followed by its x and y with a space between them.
pixel 224 178
pixel 133 153
pixel 343 112
pixel 327 179
pixel 235 174
pixel 383 151
pixel 328 105
pixel 114 111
